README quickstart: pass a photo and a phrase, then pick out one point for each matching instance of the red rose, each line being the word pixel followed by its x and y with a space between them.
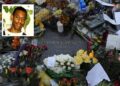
pixel 20 70
pixel 117 83
pixel 74 80
pixel 28 70
pixel 64 80
pixel 12 69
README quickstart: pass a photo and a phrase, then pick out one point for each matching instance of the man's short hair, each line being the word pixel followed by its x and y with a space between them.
pixel 20 8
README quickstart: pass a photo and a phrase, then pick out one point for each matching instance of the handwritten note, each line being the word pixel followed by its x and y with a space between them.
pixel 117 17
pixel 107 18
pixel 96 75
pixel 50 62
pixel 113 41
pixel 104 3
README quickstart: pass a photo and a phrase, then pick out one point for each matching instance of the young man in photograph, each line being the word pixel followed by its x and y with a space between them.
pixel 18 18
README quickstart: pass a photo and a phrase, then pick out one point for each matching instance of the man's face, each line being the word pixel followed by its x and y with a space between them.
pixel 18 20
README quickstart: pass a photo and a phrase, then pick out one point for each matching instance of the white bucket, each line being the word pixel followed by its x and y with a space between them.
pixel 60 27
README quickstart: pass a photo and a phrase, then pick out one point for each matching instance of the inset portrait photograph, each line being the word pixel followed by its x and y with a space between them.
pixel 18 20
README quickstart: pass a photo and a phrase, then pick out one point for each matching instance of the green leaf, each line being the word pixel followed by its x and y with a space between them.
pixel 27 21
pixel 30 12
pixel 6 9
pixel 12 9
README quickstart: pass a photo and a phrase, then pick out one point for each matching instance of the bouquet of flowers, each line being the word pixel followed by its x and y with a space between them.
pixel 62 67
pixel 6 61
pixel 85 60
pixel 29 56
pixel 83 57
pixel 22 64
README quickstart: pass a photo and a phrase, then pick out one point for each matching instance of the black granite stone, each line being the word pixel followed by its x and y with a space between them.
pixel 61 43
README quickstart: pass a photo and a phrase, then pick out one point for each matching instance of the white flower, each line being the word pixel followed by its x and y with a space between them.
pixel 22 63
pixel 45 61
pixel 64 67
pixel 58 70
pixel 39 2
pixel 0 67
pixel 68 63
pixel 20 54
pixel 25 52
pixel 13 59
pixel 4 66
pixel 69 68
pixel 39 67
pixel 8 61
pixel 77 67
pixel 9 56
pixel 62 63
pixel 4 56
pixel 56 64
pixel 3 62
pixel 8 66
pixel 72 65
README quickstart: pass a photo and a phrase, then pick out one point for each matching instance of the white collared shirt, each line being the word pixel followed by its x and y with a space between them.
pixel 8 33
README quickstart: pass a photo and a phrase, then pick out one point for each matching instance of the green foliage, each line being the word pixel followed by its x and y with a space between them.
pixel 111 66
pixel 11 9
pixel 6 9
pixel 30 12
pixel 52 74
pixel 67 74
pixel 57 77
pixel 27 20
pixel 105 83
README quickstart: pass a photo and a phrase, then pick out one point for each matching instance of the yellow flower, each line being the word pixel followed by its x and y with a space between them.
pixel 91 54
pixel 84 55
pixel 95 60
pixel 78 60
pixel 87 60
pixel 80 52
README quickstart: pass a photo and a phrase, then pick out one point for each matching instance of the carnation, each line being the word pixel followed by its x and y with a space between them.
pixel 25 52
pixel 69 68
pixel 20 54
pixel 64 67
pixel 68 63
pixel 72 65
pixel 62 63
